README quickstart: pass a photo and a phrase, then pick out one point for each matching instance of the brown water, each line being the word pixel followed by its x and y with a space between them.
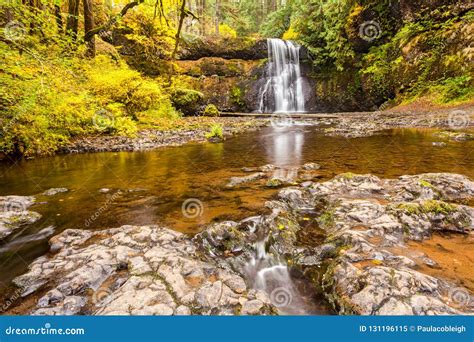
pixel 151 187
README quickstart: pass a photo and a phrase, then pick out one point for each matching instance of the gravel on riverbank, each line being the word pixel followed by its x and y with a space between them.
pixel 194 130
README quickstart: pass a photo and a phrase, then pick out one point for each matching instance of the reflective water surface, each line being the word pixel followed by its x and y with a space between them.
pixel 151 187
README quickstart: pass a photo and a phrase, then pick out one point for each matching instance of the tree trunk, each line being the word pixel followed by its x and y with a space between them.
pixel 182 15
pixel 89 26
pixel 73 18
pixel 59 18
pixel 217 18
pixel 112 21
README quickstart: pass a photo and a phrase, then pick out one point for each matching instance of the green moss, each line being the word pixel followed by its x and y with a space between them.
pixel 427 207
pixel 211 110
pixel 326 219
pixel 187 100
pixel 425 184
pixel 438 207
pixel 348 175
pixel 216 132
pixel 274 183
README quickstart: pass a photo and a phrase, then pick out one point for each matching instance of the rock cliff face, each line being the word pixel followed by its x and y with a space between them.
pixel 401 58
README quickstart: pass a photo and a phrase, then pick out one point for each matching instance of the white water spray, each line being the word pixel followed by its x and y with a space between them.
pixel 270 274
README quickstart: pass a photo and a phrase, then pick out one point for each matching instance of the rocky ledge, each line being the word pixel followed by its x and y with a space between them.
pixel 152 139
pixel 354 125
pixel 133 271
pixel 350 238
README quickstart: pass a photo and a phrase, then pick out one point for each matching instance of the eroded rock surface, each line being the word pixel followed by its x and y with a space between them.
pixel 370 220
pixel 367 223
pixel 14 213
pixel 134 271
pixel 348 236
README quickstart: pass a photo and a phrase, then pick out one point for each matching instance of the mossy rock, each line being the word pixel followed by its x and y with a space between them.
pixel 187 101
pixel 211 110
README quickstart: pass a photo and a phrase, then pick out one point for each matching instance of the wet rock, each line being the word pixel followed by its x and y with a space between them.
pixel 369 276
pixel 14 213
pixel 55 191
pixel 237 181
pixel 162 276
pixel 367 221
pixel 252 307
pixel 454 135
pixel 311 166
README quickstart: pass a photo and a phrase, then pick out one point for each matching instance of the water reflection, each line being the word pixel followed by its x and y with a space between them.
pixel 284 147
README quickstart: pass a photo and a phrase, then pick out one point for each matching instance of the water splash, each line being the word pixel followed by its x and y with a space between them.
pixel 267 272
pixel 284 91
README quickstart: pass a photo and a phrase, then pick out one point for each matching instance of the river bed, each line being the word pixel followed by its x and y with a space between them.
pixel 144 188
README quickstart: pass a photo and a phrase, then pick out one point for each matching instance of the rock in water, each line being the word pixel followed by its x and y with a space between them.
pixel 14 213
pixel 55 191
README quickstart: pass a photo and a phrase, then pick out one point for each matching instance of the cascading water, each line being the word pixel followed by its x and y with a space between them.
pixel 268 273
pixel 283 91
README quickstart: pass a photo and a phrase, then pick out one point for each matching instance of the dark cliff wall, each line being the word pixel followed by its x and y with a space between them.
pixel 422 44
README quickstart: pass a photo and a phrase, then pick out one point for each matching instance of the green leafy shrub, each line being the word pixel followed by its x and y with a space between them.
pixel 216 132
pixel 455 89
pixel 277 23
pixel 211 110
pixel 46 101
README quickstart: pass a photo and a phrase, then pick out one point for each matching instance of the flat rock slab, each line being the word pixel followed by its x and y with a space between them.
pixel 134 271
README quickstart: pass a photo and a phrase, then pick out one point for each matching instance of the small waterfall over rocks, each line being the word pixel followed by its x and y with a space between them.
pixel 283 91
pixel 267 272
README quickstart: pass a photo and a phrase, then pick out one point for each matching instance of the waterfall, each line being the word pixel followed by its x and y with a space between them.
pixel 283 91
pixel 267 272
